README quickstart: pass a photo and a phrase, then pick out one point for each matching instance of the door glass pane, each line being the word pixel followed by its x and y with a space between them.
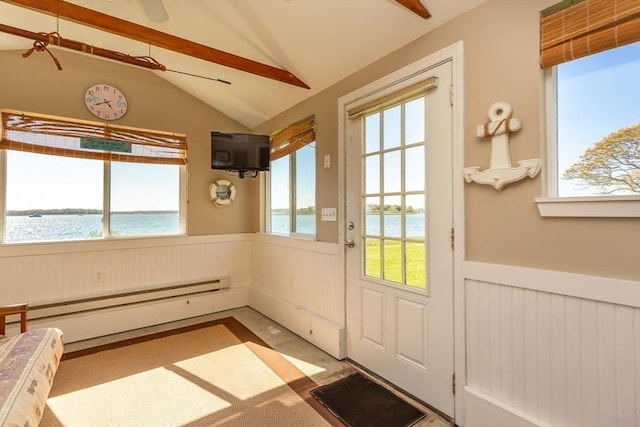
pixel 372 216
pixel 391 135
pixel 372 133
pixel 392 217
pixel 414 121
pixel 393 261
pixel 414 168
pixel 372 258
pixel 392 167
pixel 415 217
pixel 415 260
pixel 372 172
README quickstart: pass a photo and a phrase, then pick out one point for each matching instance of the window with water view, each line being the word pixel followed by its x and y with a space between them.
pixel 292 180
pixel 59 197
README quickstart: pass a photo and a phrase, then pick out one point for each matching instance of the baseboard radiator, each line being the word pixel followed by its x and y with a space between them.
pixel 65 308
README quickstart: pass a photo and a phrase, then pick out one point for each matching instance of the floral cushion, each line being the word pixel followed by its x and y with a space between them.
pixel 28 363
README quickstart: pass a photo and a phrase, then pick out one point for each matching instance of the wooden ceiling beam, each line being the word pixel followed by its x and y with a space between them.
pixel 416 7
pixel 130 30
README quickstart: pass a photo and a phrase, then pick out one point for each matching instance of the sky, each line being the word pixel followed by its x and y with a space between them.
pixel 55 182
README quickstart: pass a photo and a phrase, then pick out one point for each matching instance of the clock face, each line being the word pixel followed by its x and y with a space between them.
pixel 105 101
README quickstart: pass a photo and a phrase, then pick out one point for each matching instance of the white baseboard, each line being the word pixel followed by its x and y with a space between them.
pixel 324 334
pixel 93 324
pixel 483 411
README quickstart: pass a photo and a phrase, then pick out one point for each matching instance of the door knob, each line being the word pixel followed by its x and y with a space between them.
pixel 349 243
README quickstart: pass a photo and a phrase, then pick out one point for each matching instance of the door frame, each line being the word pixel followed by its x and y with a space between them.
pixel 388 84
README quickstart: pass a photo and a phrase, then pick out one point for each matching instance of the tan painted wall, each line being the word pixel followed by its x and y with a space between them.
pixel 500 64
pixel 35 85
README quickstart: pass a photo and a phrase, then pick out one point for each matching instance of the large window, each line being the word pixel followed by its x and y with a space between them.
pixel 598 124
pixel 591 55
pixel 292 180
pixel 64 182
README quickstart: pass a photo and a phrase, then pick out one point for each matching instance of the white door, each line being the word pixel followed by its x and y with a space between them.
pixel 399 215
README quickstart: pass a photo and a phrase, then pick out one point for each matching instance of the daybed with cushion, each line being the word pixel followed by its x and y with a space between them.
pixel 28 362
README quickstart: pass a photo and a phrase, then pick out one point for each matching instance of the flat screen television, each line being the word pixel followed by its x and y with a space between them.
pixel 242 152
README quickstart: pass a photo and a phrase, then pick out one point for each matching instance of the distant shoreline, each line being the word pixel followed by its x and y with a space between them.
pixel 79 212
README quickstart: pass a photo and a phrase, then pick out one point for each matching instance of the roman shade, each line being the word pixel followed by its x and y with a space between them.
pixel 292 138
pixel 60 136
pixel 401 95
pixel 573 29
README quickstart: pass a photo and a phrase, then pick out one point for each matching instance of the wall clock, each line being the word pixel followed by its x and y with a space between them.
pixel 105 101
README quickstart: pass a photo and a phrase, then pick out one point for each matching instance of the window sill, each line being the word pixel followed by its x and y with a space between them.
pixel 596 207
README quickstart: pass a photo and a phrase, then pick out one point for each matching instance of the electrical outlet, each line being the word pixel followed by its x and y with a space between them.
pixel 98 276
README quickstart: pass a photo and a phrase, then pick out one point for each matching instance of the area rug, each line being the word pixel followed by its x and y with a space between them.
pixel 359 402
pixel 212 374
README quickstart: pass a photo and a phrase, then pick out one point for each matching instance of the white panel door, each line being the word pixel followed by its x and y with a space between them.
pixel 399 221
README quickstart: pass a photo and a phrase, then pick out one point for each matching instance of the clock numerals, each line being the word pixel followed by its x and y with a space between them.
pixel 105 101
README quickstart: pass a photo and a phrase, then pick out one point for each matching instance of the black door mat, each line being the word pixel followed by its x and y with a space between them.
pixel 359 402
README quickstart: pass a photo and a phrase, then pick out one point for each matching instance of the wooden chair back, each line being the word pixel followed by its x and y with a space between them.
pixel 7 310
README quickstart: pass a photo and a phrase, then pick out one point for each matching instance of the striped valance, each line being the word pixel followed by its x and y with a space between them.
pixel 573 29
pixel 292 138
pixel 60 136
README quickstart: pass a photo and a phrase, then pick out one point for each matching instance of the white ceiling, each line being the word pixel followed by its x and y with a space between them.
pixel 319 41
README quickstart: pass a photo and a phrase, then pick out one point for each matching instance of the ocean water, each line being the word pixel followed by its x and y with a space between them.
pixel 391 224
pixel 20 229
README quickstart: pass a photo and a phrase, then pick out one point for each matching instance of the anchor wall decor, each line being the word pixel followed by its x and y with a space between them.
pixel 500 172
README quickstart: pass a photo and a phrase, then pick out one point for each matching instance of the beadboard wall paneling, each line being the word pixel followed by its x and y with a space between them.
pixel 558 359
pixel 300 284
pixel 47 273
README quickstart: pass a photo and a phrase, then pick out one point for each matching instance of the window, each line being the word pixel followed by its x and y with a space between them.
pixel 292 180
pixel 394 199
pixel 76 180
pixel 592 58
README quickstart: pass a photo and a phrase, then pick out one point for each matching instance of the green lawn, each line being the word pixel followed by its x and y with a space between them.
pixel 415 262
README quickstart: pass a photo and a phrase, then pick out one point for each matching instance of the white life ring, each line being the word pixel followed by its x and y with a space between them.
pixel 222 192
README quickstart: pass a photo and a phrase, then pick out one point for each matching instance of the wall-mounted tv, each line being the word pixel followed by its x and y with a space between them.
pixel 241 152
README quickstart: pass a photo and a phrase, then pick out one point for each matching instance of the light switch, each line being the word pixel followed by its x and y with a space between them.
pixel 329 214
pixel 327 161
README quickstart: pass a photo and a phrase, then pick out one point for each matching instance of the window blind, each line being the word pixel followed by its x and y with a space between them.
pixel 393 98
pixel 292 138
pixel 571 30
pixel 60 136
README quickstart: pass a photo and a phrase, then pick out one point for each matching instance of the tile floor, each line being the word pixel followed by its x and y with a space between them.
pixel 315 363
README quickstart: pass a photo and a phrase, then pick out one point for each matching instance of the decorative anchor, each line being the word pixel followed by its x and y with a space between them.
pixel 500 172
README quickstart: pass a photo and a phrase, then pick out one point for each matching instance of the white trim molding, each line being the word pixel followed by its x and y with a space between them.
pixel 608 206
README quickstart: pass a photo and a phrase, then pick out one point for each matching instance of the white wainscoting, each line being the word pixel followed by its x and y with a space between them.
pixel 550 348
pixel 300 284
pixel 56 272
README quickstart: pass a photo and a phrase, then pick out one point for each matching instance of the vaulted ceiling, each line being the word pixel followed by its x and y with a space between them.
pixel 313 43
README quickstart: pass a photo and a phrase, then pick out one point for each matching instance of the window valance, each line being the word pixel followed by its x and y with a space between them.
pixel 572 29
pixel 60 136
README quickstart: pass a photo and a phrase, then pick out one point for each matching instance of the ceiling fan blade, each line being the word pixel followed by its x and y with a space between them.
pixel 155 10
